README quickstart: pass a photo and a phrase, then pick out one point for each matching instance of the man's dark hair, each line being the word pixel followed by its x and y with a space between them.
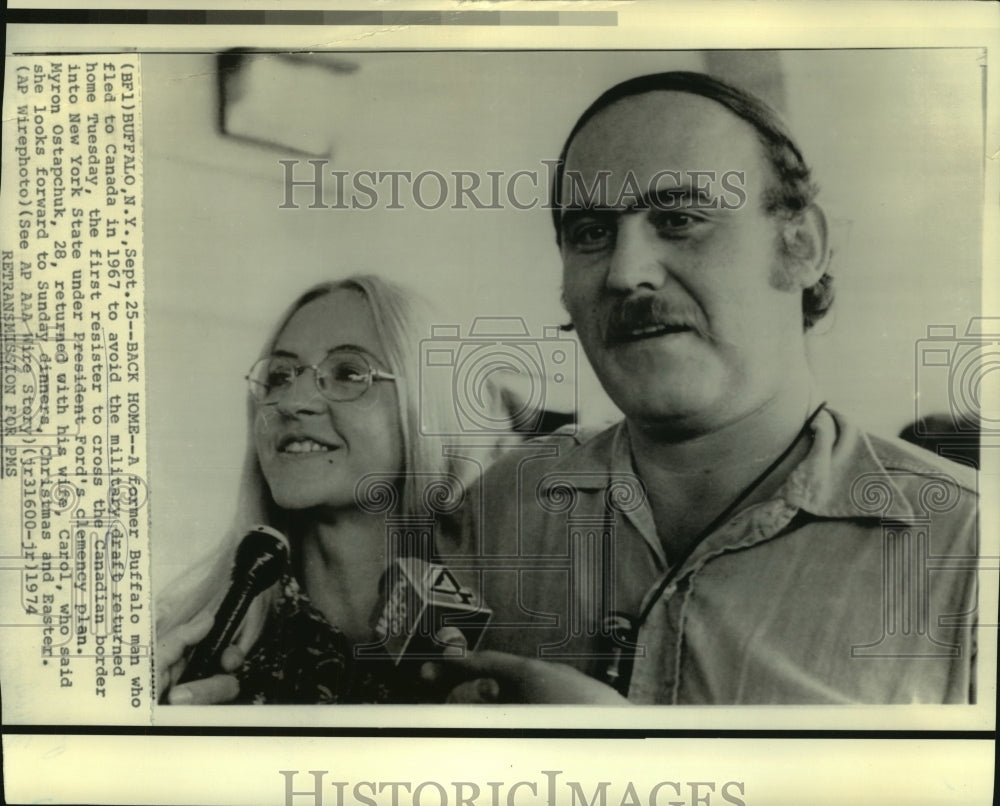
pixel 792 190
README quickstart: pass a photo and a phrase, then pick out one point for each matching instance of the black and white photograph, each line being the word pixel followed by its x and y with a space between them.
pixel 471 389
pixel 677 449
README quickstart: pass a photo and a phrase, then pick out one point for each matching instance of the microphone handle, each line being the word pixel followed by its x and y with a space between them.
pixel 205 659
pixel 621 634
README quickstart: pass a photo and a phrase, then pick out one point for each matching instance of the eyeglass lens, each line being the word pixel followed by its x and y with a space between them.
pixel 340 376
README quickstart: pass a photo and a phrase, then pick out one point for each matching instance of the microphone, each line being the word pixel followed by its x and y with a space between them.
pixel 619 634
pixel 422 598
pixel 260 560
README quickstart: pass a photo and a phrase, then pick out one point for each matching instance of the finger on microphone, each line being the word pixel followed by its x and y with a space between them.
pixel 473 665
pixel 200 625
pixel 455 642
pixel 488 689
pixel 232 658
pixel 173 643
pixel 182 695
pixel 217 689
pixel 171 646
pixel 492 664
pixel 484 691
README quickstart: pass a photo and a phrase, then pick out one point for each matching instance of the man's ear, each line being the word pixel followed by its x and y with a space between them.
pixel 807 252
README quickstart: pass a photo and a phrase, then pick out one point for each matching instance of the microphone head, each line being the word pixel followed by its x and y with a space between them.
pixel 261 557
pixel 423 597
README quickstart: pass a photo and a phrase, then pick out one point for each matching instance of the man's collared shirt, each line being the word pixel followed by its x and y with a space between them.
pixel 855 583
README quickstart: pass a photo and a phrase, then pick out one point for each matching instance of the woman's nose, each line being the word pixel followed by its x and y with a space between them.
pixel 302 395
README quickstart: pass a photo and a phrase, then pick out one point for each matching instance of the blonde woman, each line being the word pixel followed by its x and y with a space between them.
pixel 332 400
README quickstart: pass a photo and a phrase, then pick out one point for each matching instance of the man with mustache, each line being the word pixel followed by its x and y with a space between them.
pixel 726 546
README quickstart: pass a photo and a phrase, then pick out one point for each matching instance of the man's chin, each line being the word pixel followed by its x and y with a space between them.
pixel 674 389
pixel 676 407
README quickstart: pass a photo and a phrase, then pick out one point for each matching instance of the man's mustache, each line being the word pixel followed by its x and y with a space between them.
pixel 648 314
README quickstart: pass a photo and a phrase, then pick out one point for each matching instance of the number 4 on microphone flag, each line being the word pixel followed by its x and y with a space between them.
pixel 445 584
pixel 422 598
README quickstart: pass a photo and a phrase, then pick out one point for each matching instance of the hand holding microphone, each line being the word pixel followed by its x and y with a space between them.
pixel 489 677
pixel 427 612
pixel 170 651
pixel 261 558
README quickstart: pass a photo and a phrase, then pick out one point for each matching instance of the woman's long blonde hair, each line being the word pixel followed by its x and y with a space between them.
pixel 402 319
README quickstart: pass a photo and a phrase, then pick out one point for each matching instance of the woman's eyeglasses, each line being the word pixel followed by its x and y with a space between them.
pixel 343 375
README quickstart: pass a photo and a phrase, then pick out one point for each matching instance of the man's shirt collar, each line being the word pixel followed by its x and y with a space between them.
pixel 842 476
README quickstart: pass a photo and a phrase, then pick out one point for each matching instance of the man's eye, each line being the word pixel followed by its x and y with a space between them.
pixel 676 222
pixel 590 235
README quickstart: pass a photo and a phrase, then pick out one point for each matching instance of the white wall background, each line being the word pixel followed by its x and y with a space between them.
pixel 895 138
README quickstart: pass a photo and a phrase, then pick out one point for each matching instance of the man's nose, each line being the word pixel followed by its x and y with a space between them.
pixel 302 396
pixel 637 259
